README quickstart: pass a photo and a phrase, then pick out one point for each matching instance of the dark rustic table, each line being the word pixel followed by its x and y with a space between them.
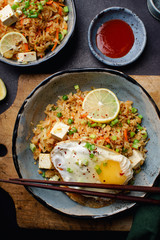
pixel 77 55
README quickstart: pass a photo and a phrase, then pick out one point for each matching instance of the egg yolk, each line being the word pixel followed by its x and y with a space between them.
pixel 111 173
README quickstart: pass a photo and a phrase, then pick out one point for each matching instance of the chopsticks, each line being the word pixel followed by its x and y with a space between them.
pixel 53 185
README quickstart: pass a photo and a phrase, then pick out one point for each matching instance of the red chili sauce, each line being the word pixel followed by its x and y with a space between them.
pixel 115 38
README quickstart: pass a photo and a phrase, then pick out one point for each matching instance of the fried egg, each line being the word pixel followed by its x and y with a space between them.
pixel 80 161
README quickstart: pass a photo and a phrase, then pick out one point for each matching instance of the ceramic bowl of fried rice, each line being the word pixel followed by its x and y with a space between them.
pixel 46 33
pixel 41 107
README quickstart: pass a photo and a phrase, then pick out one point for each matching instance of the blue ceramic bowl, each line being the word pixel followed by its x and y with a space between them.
pixel 138 30
pixel 61 83
pixel 50 54
pixel 154 8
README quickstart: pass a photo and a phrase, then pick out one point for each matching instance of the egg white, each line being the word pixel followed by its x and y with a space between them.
pixel 72 160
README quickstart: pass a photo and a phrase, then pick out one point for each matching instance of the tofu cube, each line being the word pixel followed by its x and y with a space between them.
pixel 45 161
pixel 59 131
pixel 136 159
pixel 27 57
pixel 7 16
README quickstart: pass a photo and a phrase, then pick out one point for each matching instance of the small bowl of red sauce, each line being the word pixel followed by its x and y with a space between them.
pixel 117 36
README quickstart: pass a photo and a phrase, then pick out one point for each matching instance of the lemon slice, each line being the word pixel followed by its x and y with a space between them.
pixel 3 90
pixel 10 41
pixel 102 105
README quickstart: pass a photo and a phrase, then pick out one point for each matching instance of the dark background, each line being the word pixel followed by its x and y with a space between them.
pixel 77 55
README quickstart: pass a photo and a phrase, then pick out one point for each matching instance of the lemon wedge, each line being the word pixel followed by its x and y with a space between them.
pixel 102 105
pixel 3 90
pixel 11 41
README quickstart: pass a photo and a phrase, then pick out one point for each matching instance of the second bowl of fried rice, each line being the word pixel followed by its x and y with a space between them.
pixel 46 27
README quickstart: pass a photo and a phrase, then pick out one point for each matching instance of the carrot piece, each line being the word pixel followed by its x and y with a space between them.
pixel 125 135
pixel 57 33
pixel 21 21
pixel 61 4
pixel 84 115
pixel 107 140
pixel 60 11
pixel 49 3
pixel 80 96
pixel 26 47
pixel 5 2
pixel 48 134
pixel 100 138
pixel 55 45
pixel 57 36
pixel 72 114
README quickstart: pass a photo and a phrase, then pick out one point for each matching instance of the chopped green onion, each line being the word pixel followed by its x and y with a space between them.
pixel 140 116
pixel 14 6
pixel 105 164
pixel 134 110
pixel 89 124
pixel 114 122
pixel 108 146
pixel 69 170
pixel 103 125
pixel 65 31
pixel 66 9
pixel 70 121
pixel 114 138
pixel 128 121
pixel 52 108
pixel 60 36
pixel 89 146
pixel 98 170
pixel 91 155
pixel 40 7
pixel 92 136
pixel 59 114
pixel 135 144
pixel 76 87
pixel 65 97
pixel 84 162
pixel 94 125
pixel 144 134
pixel 35 15
pixel 124 150
pixel 92 147
pixel 27 4
pixel 117 150
pixel 32 147
pixel 132 134
pixel 72 131
pixel 139 127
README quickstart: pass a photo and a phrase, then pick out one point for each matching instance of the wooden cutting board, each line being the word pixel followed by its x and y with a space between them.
pixel 29 212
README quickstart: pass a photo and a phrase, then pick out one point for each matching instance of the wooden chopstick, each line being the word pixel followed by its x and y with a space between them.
pixel 40 184
pixel 94 185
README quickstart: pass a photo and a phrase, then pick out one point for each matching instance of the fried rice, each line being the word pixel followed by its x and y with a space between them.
pixel 122 135
pixel 43 23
